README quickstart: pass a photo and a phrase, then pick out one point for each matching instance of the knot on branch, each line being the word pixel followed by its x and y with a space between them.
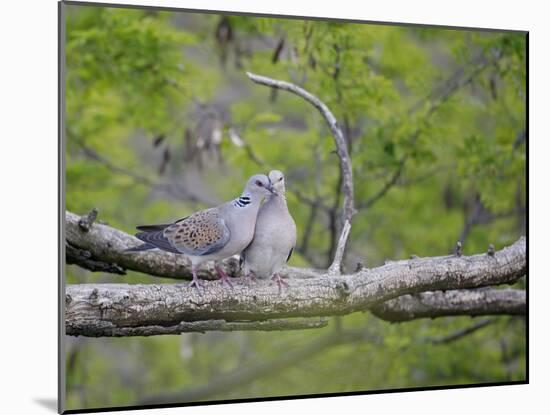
pixel 85 223
pixel 343 290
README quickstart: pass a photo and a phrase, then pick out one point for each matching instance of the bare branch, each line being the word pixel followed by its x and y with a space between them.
pixel 387 186
pixel 339 139
pixel 459 334
pixel 125 305
pixel 84 259
pixel 336 266
pixel 453 303
pixel 99 328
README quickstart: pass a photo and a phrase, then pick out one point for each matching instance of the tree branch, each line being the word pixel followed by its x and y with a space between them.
pixel 99 328
pixel 452 303
pixel 341 150
pixel 105 244
pixel 323 294
pixel 458 334
pixel 335 267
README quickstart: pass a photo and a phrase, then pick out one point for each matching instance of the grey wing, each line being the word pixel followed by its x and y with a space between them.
pixel 153 240
pixel 201 233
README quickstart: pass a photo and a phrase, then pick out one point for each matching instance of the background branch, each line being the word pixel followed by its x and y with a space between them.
pixel 453 303
pixel 459 334
pixel 98 328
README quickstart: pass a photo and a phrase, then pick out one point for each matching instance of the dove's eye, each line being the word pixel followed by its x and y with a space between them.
pixel 259 183
pixel 281 179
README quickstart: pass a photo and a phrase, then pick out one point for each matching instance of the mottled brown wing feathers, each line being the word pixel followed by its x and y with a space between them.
pixel 201 233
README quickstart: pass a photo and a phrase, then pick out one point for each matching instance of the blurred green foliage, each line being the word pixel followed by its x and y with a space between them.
pixel 157 102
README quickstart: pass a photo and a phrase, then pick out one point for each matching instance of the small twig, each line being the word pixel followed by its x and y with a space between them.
pixel 458 248
pixel 336 266
pixel 460 333
pixel 86 221
pixel 387 186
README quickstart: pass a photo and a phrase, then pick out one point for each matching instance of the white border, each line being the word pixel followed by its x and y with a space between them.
pixel 29 202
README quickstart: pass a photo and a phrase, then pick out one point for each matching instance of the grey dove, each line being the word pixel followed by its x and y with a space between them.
pixel 274 237
pixel 211 234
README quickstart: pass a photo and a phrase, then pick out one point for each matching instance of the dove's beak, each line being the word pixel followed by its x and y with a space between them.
pixel 272 189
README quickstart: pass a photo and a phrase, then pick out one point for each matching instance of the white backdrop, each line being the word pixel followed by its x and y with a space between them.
pixel 28 167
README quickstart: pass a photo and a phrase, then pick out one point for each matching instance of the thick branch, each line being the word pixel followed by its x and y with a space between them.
pixel 452 303
pixel 123 305
pixel 99 328
pixel 104 244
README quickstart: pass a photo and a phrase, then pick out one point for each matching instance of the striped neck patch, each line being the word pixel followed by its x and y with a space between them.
pixel 242 201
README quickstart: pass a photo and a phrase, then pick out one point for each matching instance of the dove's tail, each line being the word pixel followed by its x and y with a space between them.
pixel 147 229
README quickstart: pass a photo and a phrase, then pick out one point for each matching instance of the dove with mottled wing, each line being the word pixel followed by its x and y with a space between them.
pixel 274 237
pixel 211 234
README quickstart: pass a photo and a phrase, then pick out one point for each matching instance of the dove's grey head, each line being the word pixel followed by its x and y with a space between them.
pixel 277 179
pixel 259 185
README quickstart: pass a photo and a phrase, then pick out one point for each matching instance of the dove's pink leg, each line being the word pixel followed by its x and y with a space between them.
pixel 280 282
pixel 223 276
pixel 250 277
pixel 196 282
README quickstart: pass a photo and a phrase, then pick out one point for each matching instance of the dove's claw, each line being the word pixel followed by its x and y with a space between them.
pixel 224 277
pixel 250 278
pixel 280 282
pixel 196 282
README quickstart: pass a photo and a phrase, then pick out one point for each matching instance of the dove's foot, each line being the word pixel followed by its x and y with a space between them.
pixel 250 278
pixel 224 277
pixel 197 283
pixel 280 282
